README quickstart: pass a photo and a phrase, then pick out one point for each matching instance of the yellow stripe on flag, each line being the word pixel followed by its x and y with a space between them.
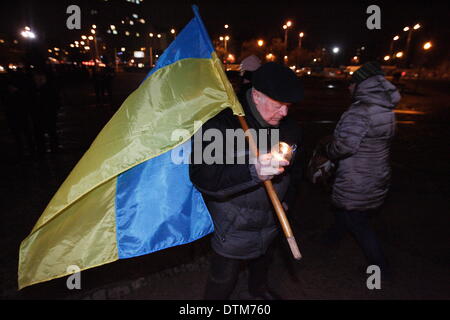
pixel 83 235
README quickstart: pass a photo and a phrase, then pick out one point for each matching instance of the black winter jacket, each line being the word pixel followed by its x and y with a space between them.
pixel 244 219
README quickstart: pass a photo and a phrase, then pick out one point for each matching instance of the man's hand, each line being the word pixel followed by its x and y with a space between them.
pixel 267 166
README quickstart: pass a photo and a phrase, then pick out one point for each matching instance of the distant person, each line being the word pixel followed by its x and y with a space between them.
pixel 15 102
pixel 98 77
pixel 45 110
pixel 361 148
pixel 108 79
pixel 248 66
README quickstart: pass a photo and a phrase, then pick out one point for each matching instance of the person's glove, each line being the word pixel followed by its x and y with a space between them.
pixel 267 166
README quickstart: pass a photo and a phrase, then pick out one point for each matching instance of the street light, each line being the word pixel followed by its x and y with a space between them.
pixel 427 45
pixel 386 58
pixel 27 33
pixel 399 54
pixel 391 49
pixel 286 28
pixel 300 37
pixel 408 40
pixel 226 26
pixel 226 38
pixel 260 43
pixel 335 50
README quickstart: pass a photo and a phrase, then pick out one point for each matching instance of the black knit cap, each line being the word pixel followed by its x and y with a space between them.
pixel 367 70
pixel 278 82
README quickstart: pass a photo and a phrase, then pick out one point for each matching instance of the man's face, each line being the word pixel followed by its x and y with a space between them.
pixel 271 111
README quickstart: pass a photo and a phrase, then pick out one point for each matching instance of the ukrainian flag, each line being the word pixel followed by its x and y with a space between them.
pixel 126 197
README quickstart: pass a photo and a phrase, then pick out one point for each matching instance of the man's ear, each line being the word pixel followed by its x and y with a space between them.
pixel 256 95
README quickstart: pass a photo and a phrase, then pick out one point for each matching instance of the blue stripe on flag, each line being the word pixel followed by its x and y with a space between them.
pixel 157 206
pixel 189 43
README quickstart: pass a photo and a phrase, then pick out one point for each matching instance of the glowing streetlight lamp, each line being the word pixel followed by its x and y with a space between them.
pixel 386 58
pixel 28 34
pixel 399 54
pixel 336 50
pixel 226 26
pixel 427 45
pixel 260 43
pixel 417 26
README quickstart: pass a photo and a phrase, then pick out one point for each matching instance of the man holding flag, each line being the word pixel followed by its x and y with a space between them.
pixel 126 197
pixel 244 220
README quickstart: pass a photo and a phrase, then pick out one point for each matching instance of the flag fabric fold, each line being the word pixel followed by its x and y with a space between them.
pixel 126 197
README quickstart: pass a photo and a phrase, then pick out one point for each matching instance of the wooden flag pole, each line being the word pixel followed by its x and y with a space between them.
pixel 274 198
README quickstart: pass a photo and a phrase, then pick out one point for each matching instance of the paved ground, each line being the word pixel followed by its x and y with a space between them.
pixel 413 225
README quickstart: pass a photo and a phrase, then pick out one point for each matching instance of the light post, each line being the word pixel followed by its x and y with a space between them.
pixel 226 38
pixel 150 52
pixel 426 46
pixel 286 29
pixel 300 37
pixel 408 40
pixel 391 49
pixel 94 35
pixel 335 51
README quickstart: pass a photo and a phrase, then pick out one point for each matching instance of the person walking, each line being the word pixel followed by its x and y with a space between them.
pixel 361 148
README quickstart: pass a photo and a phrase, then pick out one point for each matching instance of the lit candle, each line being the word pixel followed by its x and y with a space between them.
pixel 282 151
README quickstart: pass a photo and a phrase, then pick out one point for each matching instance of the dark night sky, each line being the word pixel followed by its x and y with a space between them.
pixel 326 23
